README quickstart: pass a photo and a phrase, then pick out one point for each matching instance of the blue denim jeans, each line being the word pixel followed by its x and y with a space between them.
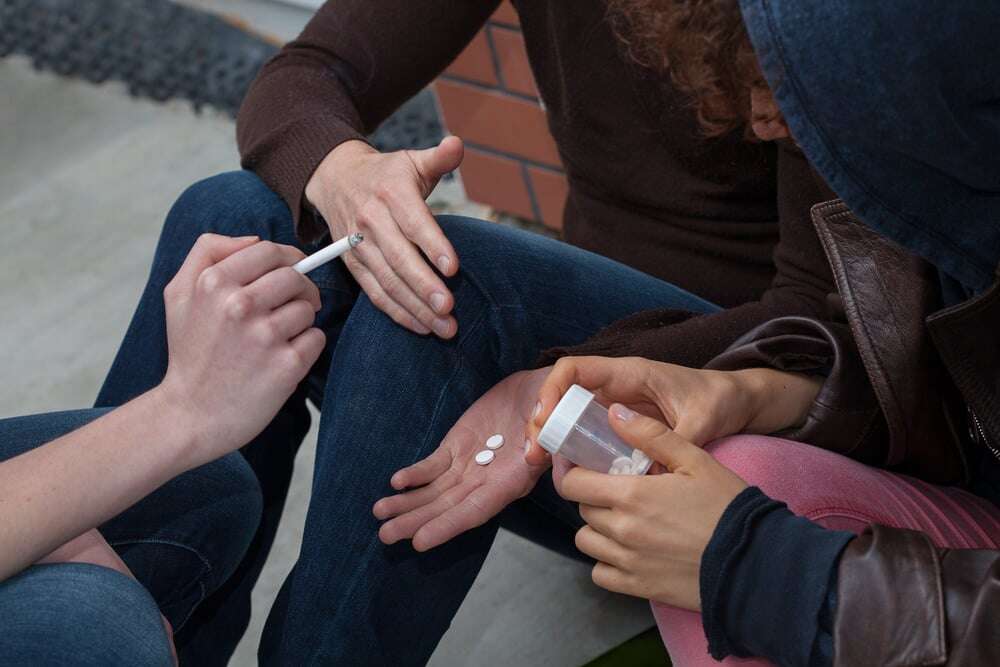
pixel 181 542
pixel 387 397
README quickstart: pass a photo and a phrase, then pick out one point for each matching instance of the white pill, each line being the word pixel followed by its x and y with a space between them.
pixel 485 457
pixel 621 466
pixel 494 441
pixel 640 461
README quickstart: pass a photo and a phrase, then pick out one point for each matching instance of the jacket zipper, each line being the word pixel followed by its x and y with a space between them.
pixel 979 435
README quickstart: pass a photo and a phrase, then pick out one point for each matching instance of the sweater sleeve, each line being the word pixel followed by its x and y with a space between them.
pixel 352 66
pixel 801 286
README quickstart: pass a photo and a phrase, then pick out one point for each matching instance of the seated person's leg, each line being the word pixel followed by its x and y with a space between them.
pixel 80 614
pixel 183 541
pixel 840 494
pixel 231 204
pixel 391 397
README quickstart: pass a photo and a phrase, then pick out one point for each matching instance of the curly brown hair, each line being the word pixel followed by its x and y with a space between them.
pixel 704 46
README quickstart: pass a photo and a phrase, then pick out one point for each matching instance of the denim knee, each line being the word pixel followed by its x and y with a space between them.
pixel 235 203
pixel 80 614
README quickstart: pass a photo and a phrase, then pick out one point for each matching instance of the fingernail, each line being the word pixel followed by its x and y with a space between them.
pixel 442 327
pixel 537 410
pixel 444 263
pixel 251 237
pixel 437 302
pixel 527 445
pixel 420 328
pixel 622 413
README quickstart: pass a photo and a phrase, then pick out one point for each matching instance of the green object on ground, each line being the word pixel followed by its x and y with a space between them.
pixel 643 650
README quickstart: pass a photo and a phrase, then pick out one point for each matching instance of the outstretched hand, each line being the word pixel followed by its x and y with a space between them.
pixel 448 493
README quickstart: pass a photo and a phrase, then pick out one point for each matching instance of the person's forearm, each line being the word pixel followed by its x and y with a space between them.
pixel 52 495
pixel 91 547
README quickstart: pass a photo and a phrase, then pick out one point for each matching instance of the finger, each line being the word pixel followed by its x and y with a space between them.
pixel 406 526
pixel 401 503
pixel 412 222
pixel 208 250
pixel 600 547
pixel 600 519
pixel 308 345
pixel 593 488
pixel 393 284
pixel 433 163
pixel 381 300
pixel 282 285
pixel 481 505
pixel 613 579
pixel 420 227
pixel 252 262
pixel 654 438
pixel 623 379
pixel 560 466
pixel 422 472
pixel 291 319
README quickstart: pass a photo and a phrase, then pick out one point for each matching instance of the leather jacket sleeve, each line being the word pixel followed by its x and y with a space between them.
pixel 903 601
pixel 845 417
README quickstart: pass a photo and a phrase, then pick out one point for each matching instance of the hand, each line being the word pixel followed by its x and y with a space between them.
pixel 699 405
pixel 450 493
pixel 358 189
pixel 170 638
pixel 648 533
pixel 240 339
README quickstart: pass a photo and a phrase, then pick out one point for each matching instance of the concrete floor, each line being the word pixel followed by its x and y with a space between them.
pixel 87 177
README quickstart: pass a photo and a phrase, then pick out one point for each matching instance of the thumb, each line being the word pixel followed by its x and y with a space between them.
pixel 653 437
pixel 433 163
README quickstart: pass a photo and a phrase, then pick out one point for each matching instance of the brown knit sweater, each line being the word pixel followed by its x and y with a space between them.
pixel 645 187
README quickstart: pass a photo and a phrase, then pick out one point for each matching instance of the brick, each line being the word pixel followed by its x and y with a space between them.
pixel 498 121
pixel 475 62
pixel 496 181
pixel 551 189
pixel 506 14
pixel 517 76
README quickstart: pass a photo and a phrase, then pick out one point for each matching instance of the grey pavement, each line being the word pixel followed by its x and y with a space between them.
pixel 86 178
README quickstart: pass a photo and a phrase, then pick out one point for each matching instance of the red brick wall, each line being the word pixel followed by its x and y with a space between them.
pixel 488 98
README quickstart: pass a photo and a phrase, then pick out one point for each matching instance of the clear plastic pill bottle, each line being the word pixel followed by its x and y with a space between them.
pixel 579 430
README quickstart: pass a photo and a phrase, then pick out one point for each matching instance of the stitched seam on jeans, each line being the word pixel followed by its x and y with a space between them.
pixel 201 579
pixel 372 542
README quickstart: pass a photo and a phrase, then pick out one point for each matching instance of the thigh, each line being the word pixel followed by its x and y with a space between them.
pixel 548 292
pixel 182 540
pixel 841 494
pixel 80 614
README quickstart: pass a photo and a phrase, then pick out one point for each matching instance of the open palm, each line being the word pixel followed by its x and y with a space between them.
pixel 449 493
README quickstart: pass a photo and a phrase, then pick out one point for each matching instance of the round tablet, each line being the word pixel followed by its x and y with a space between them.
pixel 485 457
pixel 621 466
pixel 494 441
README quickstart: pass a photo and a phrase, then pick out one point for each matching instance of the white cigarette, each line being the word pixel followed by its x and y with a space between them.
pixel 329 253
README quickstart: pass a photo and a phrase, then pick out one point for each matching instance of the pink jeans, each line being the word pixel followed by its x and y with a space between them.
pixel 837 493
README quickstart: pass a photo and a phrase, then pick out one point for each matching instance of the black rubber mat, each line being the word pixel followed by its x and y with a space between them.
pixel 162 50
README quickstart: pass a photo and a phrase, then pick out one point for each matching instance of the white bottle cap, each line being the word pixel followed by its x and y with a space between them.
pixel 562 420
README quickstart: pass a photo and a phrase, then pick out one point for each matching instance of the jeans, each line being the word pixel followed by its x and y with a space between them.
pixel 387 397
pixel 182 542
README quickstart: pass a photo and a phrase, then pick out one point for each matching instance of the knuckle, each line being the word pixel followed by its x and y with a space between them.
pixel 210 280
pixel 171 292
pixel 267 333
pixel 238 306
pixel 631 494
pixel 626 529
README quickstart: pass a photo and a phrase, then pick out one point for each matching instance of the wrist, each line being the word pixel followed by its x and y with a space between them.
pixel 189 428
pixel 342 153
pixel 778 400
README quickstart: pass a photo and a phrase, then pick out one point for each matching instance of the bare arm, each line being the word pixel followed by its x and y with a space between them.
pixel 240 337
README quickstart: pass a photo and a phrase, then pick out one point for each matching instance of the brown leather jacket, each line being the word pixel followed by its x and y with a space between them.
pixel 909 387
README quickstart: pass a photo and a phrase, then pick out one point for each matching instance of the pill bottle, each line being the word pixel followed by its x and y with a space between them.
pixel 579 430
